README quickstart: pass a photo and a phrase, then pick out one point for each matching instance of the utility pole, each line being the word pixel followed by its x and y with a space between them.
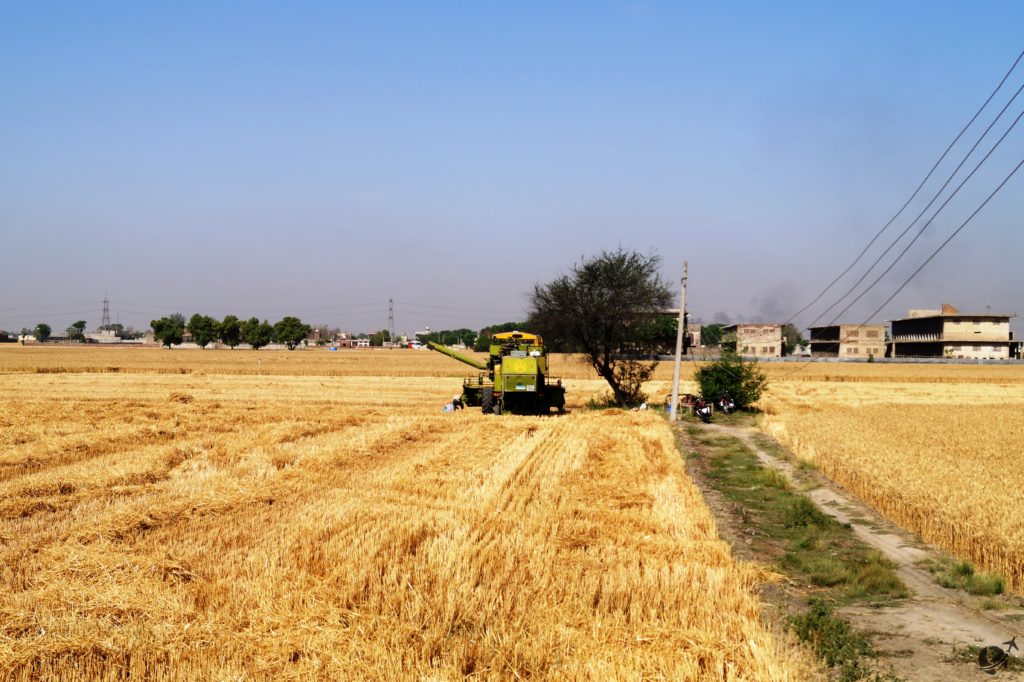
pixel 673 408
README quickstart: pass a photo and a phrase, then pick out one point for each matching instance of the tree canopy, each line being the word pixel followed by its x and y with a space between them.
pixel 42 332
pixel 607 307
pixel 230 331
pixel 169 330
pixel 792 338
pixel 204 329
pixel 483 339
pixel 291 331
pixel 77 330
pixel 450 337
pixel 257 334
pixel 711 334
pixel 731 376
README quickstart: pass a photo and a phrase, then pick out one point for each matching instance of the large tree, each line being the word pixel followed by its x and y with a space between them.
pixel 169 330
pixel 231 331
pixel 290 331
pixel 711 334
pixel 792 339
pixel 203 328
pixel 42 332
pixel 77 330
pixel 607 307
pixel 257 334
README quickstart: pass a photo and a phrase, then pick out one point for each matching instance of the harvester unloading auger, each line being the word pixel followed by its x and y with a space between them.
pixel 514 378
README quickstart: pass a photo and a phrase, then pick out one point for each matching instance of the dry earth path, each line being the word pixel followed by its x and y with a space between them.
pixel 919 635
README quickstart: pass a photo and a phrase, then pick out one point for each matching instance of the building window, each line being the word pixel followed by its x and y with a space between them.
pixel 871 333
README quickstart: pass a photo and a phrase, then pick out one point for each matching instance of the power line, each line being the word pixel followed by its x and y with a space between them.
pixel 916 191
pixel 939 210
pixel 950 237
pixel 920 267
pixel 929 205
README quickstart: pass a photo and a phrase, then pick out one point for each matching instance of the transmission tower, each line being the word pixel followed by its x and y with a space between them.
pixel 106 312
pixel 391 319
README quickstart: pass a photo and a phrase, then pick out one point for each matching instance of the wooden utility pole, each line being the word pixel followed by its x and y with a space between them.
pixel 674 407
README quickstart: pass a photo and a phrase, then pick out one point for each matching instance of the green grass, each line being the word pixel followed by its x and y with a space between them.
pixel 960 575
pixel 805 542
pixel 833 640
pixel 784 526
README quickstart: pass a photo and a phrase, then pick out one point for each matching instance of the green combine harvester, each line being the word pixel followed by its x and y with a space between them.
pixel 514 378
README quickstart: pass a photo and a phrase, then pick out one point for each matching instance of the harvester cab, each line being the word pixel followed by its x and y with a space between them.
pixel 514 378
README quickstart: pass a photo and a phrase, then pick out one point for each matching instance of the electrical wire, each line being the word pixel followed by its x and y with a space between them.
pixel 930 203
pixel 914 194
pixel 925 226
pixel 921 267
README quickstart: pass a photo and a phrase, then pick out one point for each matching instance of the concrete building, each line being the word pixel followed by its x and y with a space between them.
pixel 948 333
pixel 105 336
pixel 693 330
pixel 848 341
pixel 758 340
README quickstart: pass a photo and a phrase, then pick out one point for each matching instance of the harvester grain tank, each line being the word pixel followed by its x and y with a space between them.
pixel 513 379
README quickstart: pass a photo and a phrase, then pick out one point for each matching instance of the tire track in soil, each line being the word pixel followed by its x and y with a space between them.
pixel 917 636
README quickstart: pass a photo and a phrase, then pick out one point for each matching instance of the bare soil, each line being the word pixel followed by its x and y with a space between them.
pixel 924 637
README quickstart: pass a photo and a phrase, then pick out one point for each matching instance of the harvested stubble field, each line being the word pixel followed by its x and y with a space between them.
pixel 943 458
pixel 231 525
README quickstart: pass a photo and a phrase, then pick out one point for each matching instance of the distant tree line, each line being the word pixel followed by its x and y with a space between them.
pixel 230 331
pixel 450 337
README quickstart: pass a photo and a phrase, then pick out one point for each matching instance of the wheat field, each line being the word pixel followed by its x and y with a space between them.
pixel 231 525
pixel 943 459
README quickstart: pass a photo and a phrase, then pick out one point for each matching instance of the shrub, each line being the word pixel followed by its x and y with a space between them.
pixel 733 376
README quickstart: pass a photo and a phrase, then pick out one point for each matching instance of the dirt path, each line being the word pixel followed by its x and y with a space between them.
pixel 919 635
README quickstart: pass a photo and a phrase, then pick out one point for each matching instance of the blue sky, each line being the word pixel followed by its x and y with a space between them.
pixel 320 158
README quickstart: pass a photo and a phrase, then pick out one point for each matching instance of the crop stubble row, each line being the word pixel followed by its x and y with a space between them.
pixel 287 527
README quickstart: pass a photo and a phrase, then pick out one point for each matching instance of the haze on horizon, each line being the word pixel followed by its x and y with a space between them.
pixel 319 159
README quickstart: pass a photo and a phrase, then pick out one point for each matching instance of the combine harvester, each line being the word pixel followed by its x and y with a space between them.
pixel 514 378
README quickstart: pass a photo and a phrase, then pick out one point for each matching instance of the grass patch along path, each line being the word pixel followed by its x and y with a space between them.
pixel 860 590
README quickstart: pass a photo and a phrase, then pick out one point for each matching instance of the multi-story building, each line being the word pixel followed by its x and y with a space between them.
pixel 760 340
pixel 848 341
pixel 948 333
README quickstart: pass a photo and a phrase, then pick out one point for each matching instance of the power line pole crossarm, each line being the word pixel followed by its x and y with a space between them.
pixel 674 405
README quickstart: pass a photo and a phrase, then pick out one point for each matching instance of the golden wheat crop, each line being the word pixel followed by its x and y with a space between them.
pixel 943 460
pixel 215 526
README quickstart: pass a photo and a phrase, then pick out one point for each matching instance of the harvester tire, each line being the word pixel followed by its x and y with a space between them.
pixel 487 401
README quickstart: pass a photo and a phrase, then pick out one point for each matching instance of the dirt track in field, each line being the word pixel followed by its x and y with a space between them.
pixel 918 636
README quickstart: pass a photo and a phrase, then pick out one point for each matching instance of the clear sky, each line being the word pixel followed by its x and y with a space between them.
pixel 318 159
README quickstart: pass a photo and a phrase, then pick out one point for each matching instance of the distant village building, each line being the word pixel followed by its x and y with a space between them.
pixel 107 336
pixel 948 333
pixel 693 331
pixel 848 341
pixel 758 340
